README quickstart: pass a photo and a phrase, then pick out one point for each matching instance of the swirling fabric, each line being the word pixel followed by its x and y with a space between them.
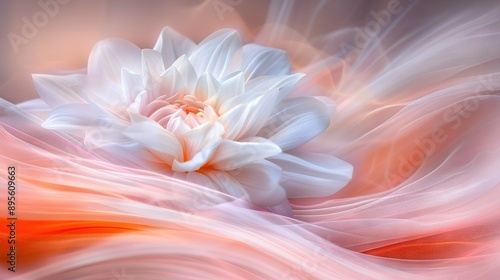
pixel 416 116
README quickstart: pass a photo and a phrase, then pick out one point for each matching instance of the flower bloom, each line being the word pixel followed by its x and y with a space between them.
pixel 216 114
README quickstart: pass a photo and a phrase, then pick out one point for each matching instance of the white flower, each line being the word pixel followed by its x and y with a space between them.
pixel 216 114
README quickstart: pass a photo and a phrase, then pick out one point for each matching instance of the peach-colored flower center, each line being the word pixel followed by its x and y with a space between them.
pixel 190 105
pixel 163 108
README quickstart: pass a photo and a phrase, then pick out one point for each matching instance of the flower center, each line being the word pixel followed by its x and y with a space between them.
pixel 190 105
pixel 187 107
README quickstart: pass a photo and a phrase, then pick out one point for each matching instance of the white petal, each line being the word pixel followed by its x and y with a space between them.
pixel 132 85
pixel 247 120
pixel 154 137
pixel 197 138
pixel 104 131
pixel 209 115
pixel 139 103
pixel 59 90
pixel 172 45
pixel 265 83
pixel 177 126
pixel 108 57
pixel 206 86
pixel 131 154
pixel 106 96
pixel 200 144
pixel 219 54
pixel 71 118
pixel 188 74
pixel 169 84
pixel 232 155
pixel 260 86
pixel 152 68
pixel 261 61
pixel 296 121
pixel 261 183
pixel 192 177
pixel 199 159
pixel 225 183
pixel 312 175
pixel 232 86
pixel 36 107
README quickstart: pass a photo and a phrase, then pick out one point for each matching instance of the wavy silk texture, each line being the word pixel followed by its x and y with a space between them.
pixel 369 151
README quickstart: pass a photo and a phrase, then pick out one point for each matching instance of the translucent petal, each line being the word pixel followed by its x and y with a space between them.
pixel 260 86
pixel 262 61
pixel 108 57
pixel 246 120
pixel 152 68
pixel 188 74
pixel 197 138
pixel 59 90
pixel 154 137
pixel 71 118
pixel 206 86
pixel 232 155
pixel 199 159
pixel 225 183
pixel 132 85
pixel 230 87
pixel 296 121
pixel 261 182
pixel 170 84
pixel 172 45
pixel 36 107
pixel 312 175
pixel 219 54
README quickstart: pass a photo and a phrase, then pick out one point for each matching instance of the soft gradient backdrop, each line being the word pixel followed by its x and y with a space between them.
pixel 417 117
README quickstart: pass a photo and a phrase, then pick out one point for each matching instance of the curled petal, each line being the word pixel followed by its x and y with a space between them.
pixel 199 159
pixel 297 121
pixel 154 137
pixel 197 138
pixel 232 155
pixel 177 126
